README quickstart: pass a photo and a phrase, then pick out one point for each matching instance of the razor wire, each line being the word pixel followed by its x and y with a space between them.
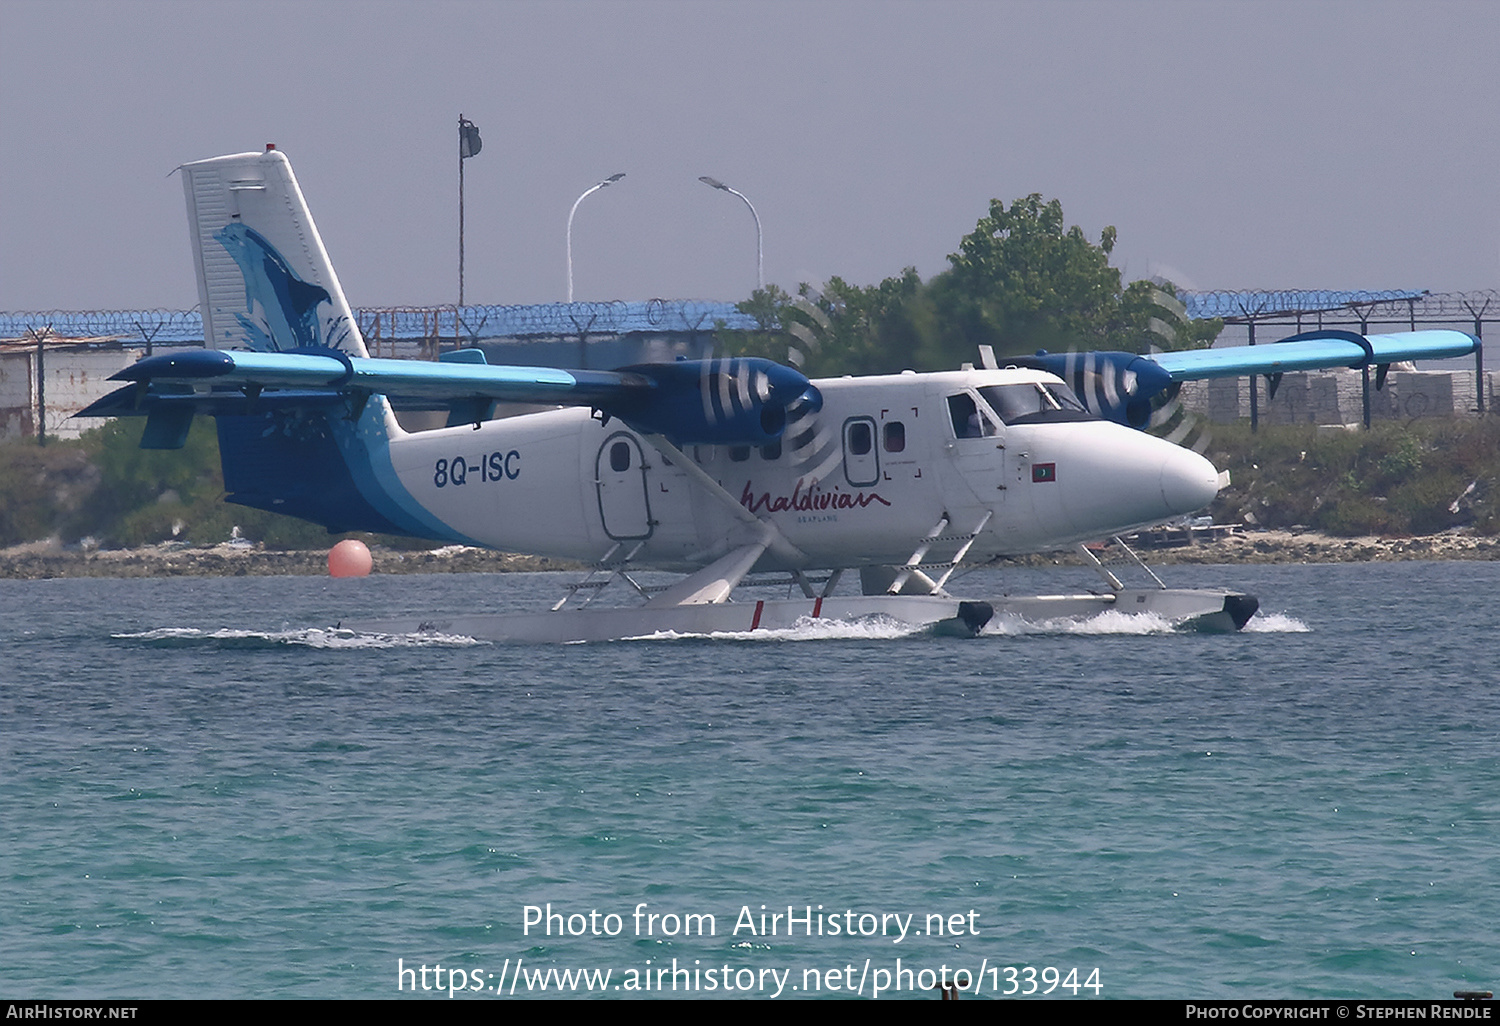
pixel 430 324
pixel 171 327
pixel 1390 307
pixel 431 328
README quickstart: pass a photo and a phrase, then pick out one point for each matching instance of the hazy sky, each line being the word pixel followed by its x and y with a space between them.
pixel 1234 145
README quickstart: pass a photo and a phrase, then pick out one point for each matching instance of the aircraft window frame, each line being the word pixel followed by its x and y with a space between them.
pixel 861 469
pixel 859 439
pixel 619 452
pixel 1034 402
pixel 979 420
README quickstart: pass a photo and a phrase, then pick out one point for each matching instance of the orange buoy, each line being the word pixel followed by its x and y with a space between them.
pixel 350 558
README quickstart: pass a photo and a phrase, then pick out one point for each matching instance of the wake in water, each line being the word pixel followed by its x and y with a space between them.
pixel 880 628
pixel 312 637
pixel 1108 623
pixel 875 628
pixel 1113 622
pixel 1275 623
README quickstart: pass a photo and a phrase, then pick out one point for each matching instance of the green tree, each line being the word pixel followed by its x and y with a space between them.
pixel 104 486
pixel 772 341
pixel 874 329
pixel 1022 281
pixel 41 487
pixel 840 329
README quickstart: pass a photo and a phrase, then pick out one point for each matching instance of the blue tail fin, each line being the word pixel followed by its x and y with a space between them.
pixel 264 279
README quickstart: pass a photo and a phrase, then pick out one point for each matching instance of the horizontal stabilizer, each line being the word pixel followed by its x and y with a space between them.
pixel 137 401
pixel 330 369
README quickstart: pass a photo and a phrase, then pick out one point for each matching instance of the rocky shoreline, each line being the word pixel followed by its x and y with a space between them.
pixel 1264 546
pixel 41 561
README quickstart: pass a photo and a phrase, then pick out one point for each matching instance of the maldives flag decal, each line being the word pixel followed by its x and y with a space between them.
pixel 1041 472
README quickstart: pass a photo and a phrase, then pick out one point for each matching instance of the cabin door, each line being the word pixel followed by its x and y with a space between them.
pixel 976 452
pixel 620 480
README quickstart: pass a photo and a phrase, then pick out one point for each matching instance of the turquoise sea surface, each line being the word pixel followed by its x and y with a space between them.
pixel 206 790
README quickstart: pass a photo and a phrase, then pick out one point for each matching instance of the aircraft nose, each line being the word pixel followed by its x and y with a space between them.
pixel 1188 481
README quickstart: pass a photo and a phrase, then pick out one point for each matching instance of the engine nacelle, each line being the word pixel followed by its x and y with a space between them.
pixel 736 401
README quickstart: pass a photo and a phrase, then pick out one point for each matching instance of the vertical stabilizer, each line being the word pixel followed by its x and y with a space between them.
pixel 264 279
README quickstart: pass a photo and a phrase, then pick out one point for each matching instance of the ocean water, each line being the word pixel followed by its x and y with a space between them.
pixel 206 790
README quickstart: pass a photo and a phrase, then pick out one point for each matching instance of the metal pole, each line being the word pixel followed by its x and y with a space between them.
pixel 41 388
pixel 460 210
pixel 1254 395
pixel 760 263
pixel 1364 381
pixel 608 181
pixel 1364 372
pixel 1479 363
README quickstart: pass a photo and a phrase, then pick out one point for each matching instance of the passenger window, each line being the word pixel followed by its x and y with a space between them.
pixel 895 436
pixel 619 457
pixel 771 450
pixel 859 438
pixel 739 453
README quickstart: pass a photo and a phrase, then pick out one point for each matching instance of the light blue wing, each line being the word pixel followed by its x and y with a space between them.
pixel 1315 350
pixel 1124 387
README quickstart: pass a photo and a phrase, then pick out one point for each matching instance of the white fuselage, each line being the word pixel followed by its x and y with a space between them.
pixel 893 459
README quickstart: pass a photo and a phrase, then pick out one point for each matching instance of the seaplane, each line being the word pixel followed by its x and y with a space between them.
pixel 714 469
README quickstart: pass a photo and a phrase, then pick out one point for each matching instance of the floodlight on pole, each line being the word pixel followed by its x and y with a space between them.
pixel 612 179
pixel 469 145
pixel 760 267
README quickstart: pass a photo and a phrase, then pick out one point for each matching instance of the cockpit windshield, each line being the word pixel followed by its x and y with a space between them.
pixel 1035 402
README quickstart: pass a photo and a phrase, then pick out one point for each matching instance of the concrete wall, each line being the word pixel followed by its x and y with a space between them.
pixel 1336 397
pixel 74 379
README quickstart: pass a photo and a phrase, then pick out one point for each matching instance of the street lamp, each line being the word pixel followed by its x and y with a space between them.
pixel 608 181
pixel 760 267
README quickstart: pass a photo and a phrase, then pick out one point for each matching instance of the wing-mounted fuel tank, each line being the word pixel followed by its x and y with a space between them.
pixel 738 401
